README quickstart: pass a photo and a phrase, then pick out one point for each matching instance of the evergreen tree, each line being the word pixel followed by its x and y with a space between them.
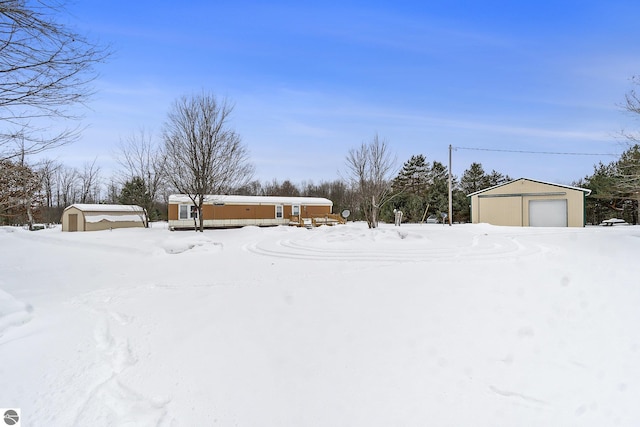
pixel 627 185
pixel 474 179
pixel 615 188
pixel 496 178
pixel 410 189
pixel 134 192
pixel 438 196
pixel 413 178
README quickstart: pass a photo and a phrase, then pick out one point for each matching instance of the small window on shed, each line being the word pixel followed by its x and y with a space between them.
pixel 279 210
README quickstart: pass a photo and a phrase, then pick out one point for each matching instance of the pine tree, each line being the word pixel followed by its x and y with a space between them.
pixel 413 178
pixel 438 196
pixel 410 189
pixel 474 179
pixel 134 192
pixel 496 178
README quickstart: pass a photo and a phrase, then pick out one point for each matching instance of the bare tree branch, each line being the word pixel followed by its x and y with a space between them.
pixel 204 156
pixel 45 69
pixel 142 159
pixel 369 170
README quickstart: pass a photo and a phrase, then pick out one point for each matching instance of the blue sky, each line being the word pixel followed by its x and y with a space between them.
pixel 309 82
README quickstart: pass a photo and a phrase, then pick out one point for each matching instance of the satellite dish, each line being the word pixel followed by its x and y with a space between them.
pixel 346 213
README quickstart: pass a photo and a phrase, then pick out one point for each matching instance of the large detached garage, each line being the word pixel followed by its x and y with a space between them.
pixel 89 217
pixel 529 203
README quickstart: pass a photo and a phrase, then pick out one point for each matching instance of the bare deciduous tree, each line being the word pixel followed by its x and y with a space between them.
pixel 90 183
pixel 286 189
pixel 204 155
pixel 628 167
pixel 140 158
pixel 45 69
pixel 48 170
pixel 369 170
pixel 68 181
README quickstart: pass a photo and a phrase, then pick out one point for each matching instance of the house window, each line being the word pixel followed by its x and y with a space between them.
pixel 295 210
pixel 279 212
pixel 187 212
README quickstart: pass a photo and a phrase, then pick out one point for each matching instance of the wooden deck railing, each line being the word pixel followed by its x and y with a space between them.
pixel 317 220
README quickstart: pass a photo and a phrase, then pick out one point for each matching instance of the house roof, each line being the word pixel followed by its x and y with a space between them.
pixel 584 190
pixel 248 200
pixel 84 207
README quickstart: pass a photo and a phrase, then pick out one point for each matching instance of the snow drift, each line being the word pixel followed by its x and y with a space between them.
pixel 334 326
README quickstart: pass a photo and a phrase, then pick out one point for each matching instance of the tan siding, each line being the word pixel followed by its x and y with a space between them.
pixel 260 213
pixel 265 211
pixel 82 225
pixel 315 210
pixel 67 217
pixel 526 186
pixel 173 212
pixel 500 210
pixel 217 212
pixel 207 211
pixel 503 210
pixel 107 225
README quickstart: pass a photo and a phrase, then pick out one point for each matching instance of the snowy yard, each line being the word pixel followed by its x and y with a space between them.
pixel 421 325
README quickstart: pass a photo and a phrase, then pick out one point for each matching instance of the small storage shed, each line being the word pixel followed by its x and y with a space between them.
pixel 238 211
pixel 530 203
pixel 89 217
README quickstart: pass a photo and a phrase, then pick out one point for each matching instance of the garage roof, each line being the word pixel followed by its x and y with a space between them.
pixel 585 190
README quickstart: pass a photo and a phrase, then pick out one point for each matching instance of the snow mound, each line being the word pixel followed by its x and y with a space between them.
pixel 13 312
pixel 174 247
pixel 114 404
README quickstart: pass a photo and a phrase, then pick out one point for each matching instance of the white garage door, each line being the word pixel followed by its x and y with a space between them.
pixel 548 213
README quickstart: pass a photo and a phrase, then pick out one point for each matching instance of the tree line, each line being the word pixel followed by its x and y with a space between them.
pixel 147 176
pixel 200 154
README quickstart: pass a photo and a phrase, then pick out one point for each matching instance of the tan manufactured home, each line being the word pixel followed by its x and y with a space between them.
pixel 90 217
pixel 238 211
pixel 530 203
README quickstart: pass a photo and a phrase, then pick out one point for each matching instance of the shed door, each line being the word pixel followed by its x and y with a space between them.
pixel 548 213
pixel 73 222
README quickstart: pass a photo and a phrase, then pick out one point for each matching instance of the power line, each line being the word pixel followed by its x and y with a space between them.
pixel 536 152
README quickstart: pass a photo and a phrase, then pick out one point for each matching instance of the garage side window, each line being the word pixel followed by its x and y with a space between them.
pixel 187 212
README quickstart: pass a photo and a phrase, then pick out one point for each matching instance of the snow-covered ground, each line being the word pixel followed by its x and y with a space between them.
pixel 421 325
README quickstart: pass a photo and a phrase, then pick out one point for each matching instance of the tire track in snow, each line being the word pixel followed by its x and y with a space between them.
pixel 513 394
pixel 497 247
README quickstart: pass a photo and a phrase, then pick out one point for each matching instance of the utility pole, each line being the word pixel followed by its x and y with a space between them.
pixel 450 201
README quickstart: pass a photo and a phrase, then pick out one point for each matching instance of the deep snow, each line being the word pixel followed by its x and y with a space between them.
pixel 419 325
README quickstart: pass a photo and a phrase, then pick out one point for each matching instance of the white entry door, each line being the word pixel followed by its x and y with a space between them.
pixel 548 213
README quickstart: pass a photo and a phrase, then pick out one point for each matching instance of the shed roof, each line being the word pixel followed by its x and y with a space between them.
pixel 232 199
pixel 84 207
pixel 584 190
